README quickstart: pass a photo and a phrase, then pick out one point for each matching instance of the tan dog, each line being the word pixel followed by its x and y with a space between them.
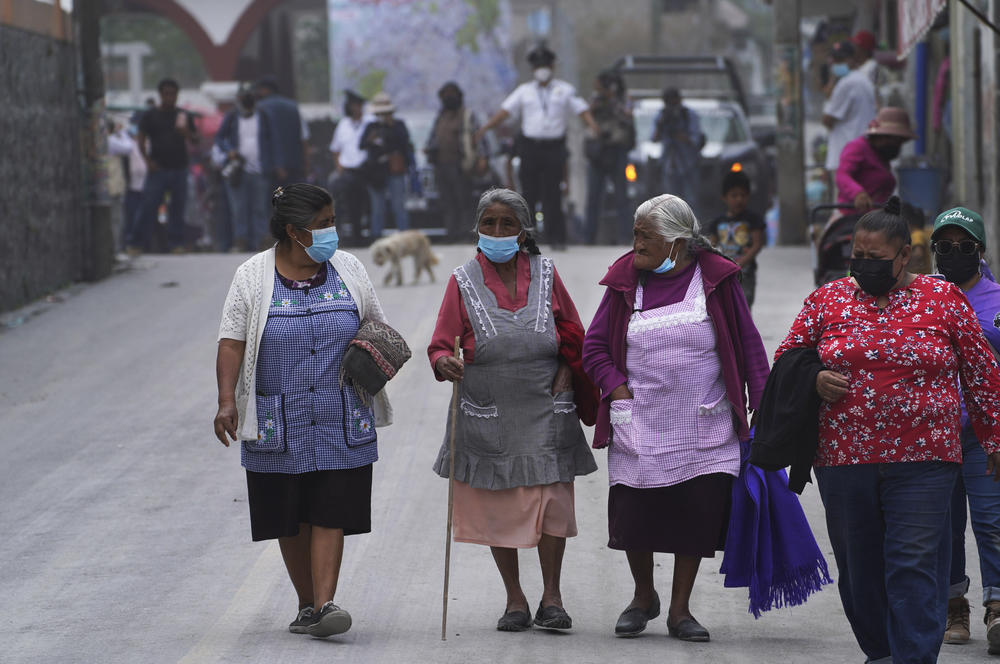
pixel 400 245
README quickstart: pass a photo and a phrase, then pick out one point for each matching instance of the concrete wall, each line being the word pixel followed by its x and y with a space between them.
pixel 975 101
pixel 41 212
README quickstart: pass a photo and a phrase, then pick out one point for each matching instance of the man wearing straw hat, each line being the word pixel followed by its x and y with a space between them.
pixel 387 143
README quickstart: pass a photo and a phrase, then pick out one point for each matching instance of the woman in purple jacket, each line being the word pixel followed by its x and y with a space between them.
pixel 673 349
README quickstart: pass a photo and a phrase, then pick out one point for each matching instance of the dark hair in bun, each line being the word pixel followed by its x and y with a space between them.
pixel 297 204
pixel 887 219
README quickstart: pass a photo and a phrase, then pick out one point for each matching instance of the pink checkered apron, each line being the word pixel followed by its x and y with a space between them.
pixel 679 423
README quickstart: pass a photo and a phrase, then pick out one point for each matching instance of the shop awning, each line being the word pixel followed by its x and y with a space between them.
pixel 915 19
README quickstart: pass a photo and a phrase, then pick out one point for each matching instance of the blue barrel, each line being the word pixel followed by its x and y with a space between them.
pixel 923 187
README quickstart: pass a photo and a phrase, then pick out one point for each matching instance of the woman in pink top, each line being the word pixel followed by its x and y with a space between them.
pixel 864 174
pixel 674 350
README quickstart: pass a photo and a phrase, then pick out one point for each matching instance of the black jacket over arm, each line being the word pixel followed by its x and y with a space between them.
pixel 787 430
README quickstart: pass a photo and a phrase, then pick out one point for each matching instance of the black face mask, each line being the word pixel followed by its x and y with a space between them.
pixel 958 267
pixel 888 152
pixel 874 275
pixel 451 102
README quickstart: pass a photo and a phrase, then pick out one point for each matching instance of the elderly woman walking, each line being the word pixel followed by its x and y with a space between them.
pixel 674 350
pixel 894 346
pixel 519 443
pixel 308 442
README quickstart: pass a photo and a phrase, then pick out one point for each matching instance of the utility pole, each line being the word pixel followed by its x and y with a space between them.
pixel 791 155
pixel 99 244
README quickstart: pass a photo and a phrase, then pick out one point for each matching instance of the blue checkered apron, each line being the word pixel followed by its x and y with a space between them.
pixel 306 420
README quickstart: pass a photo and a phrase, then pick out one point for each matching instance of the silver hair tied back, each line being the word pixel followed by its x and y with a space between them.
pixel 671 216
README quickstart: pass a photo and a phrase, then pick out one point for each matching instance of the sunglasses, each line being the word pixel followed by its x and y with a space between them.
pixel 946 247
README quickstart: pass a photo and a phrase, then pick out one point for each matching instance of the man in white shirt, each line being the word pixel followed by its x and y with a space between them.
pixel 850 108
pixel 247 187
pixel 347 183
pixel 543 106
pixel 865 45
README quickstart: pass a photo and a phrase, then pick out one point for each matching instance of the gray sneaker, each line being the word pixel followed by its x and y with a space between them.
pixel 301 622
pixel 330 620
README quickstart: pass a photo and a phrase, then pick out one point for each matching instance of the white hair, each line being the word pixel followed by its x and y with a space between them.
pixel 671 217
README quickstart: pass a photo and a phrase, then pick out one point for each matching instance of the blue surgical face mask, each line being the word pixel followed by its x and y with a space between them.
pixel 324 246
pixel 840 69
pixel 667 265
pixel 498 249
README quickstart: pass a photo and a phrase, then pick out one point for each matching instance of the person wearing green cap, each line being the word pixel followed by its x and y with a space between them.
pixel 958 243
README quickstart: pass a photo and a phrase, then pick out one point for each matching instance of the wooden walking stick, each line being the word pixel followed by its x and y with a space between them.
pixel 451 497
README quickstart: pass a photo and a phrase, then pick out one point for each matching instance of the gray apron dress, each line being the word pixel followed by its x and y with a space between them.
pixel 510 430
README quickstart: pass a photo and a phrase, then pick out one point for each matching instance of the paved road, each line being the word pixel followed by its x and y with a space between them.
pixel 124 534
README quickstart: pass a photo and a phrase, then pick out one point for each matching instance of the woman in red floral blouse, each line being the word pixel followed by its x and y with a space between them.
pixel 895 346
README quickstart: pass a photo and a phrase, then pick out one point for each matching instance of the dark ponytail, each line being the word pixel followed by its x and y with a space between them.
pixel 530 245
pixel 888 220
pixel 297 204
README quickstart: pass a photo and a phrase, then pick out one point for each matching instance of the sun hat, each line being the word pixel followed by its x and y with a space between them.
pixel 381 103
pixel 864 40
pixel 891 121
pixel 969 221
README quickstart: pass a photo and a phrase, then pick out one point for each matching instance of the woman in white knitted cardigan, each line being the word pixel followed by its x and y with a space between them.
pixel 307 441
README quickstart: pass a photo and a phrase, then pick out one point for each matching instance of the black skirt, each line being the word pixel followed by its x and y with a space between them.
pixel 690 518
pixel 279 502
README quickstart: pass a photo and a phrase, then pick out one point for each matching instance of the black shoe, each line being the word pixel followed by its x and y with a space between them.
pixel 688 629
pixel 329 620
pixel 633 620
pixel 514 621
pixel 553 617
pixel 302 621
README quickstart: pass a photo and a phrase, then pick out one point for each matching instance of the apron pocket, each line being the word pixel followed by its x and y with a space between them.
pixel 359 422
pixel 715 424
pixel 566 430
pixel 479 427
pixel 563 403
pixel 622 431
pixel 271 427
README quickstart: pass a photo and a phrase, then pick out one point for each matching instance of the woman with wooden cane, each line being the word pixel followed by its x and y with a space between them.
pixel 521 395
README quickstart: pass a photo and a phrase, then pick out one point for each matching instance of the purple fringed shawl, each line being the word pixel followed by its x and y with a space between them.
pixel 769 546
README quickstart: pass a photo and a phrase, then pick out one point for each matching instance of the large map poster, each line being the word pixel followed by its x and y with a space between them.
pixel 409 48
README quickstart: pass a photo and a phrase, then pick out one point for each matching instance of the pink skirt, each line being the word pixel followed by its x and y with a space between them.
pixel 513 518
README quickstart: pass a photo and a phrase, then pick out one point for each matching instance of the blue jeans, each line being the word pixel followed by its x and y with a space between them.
pixel 248 206
pixel 133 199
pixel 888 524
pixel 984 505
pixel 158 183
pixel 597 173
pixel 395 186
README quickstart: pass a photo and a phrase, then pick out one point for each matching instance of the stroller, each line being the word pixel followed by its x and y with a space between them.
pixel 832 243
